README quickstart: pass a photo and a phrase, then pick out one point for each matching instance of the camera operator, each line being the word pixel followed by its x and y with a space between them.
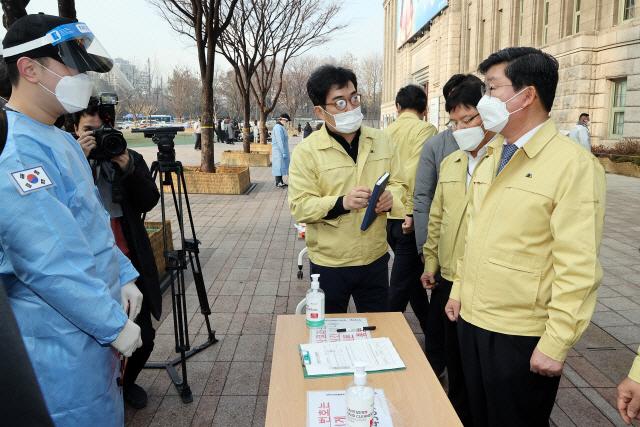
pixel 66 279
pixel 127 191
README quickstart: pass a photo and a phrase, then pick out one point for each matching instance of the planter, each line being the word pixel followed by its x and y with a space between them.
pixel 154 231
pixel 622 168
pixel 225 180
pixel 240 158
pixel 260 148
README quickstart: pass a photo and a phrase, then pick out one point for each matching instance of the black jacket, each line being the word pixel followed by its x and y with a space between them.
pixel 307 131
pixel 141 195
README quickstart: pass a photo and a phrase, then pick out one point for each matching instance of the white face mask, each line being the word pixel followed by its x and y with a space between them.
pixel 347 122
pixel 72 92
pixel 494 113
pixel 469 139
pixel 589 123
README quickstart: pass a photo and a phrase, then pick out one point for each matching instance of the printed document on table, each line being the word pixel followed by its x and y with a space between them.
pixel 329 333
pixel 329 409
pixel 338 358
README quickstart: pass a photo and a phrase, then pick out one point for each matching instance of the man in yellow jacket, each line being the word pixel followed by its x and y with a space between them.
pixel 447 227
pixel 526 288
pixel 409 132
pixel 331 176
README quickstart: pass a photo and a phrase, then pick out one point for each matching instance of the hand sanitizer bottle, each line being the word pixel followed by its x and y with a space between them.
pixel 360 396
pixel 315 304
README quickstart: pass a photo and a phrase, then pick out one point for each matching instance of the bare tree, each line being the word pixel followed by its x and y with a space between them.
pixel 370 86
pixel 67 9
pixel 294 84
pixel 307 23
pixel 13 10
pixel 204 21
pixel 229 92
pixel 147 110
pixel 184 90
pixel 244 47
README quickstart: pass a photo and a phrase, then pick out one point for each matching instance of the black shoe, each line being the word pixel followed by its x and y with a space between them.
pixel 281 185
pixel 135 396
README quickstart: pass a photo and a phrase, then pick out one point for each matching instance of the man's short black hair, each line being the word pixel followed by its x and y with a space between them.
pixel 14 74
pixel 5 82
pixel 91 110
pixel 454 81
pixel 413 97
pixel 527 66
pixel 467 93
pixel 583 115
pixel 324 78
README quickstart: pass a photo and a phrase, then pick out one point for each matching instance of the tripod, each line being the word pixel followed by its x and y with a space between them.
pixel 175 264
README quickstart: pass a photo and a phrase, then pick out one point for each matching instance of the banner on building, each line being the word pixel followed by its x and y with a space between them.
pixel 415 14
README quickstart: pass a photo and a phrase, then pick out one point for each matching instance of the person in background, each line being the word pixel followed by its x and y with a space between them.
pixel 65 277
pixel 256 132
pixel 447 225
pixel 280 150
pixel 307 130
pixel 198 131
pixel 331 176
pixel 434 151
pixel 409 132
pixel 299 128
pixel 5 83
pixel 580 132
pixel 127 190
pixel 319 126
pixel 525 289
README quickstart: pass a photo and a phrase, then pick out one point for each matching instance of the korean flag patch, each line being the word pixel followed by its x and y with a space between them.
pixel 31 179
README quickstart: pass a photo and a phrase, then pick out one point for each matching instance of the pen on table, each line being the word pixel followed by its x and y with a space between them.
pixel 365 328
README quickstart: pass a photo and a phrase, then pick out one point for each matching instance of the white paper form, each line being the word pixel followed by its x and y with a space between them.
pixel 329 409
pixel 338 358
pixel 328 333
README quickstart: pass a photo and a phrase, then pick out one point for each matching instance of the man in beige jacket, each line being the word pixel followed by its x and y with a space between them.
pixel 526 288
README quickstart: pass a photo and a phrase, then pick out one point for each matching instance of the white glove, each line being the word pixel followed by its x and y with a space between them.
pixel 131 297
pixel 128 339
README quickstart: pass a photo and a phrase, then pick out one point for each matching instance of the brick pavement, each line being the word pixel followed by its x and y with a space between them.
pixel 249 256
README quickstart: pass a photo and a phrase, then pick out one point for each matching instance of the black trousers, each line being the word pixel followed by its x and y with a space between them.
pixel 369 285
pixel 501 388
pixel 405 285
pixel 457 386
pixel 279 180
pixel 198 141
pixel 139 357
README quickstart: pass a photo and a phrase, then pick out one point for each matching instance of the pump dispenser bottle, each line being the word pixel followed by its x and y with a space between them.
pixel 360 396
pixel 315 304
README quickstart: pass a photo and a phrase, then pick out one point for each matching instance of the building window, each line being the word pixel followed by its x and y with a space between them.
pixel 545 22
pixel 618 100
pixel 521 22
pixel 627 10
pixel 576 16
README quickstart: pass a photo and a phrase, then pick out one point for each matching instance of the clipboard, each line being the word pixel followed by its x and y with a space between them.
pixel 338 358
pixel 371 215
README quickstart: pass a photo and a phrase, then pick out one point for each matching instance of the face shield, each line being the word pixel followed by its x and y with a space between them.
pixel 77 48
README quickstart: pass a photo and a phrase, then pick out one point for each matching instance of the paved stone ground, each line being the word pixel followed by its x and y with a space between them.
pixel 249 257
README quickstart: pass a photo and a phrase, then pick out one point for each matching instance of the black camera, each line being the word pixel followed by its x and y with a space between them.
pixel 163 138
pixel 110 142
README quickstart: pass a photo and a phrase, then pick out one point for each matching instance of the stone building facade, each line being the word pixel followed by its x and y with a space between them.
pixel 596 42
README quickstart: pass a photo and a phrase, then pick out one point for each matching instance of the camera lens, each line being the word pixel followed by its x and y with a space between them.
pixel 114 145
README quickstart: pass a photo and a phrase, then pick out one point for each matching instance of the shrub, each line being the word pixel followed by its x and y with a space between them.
pixel 628 150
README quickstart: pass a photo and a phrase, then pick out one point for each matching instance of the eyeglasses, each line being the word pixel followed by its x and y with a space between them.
pixel 341 104
pixel 454 124
pixel 484 89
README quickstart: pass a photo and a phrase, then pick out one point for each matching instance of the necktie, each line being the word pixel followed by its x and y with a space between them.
pixel 507 152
